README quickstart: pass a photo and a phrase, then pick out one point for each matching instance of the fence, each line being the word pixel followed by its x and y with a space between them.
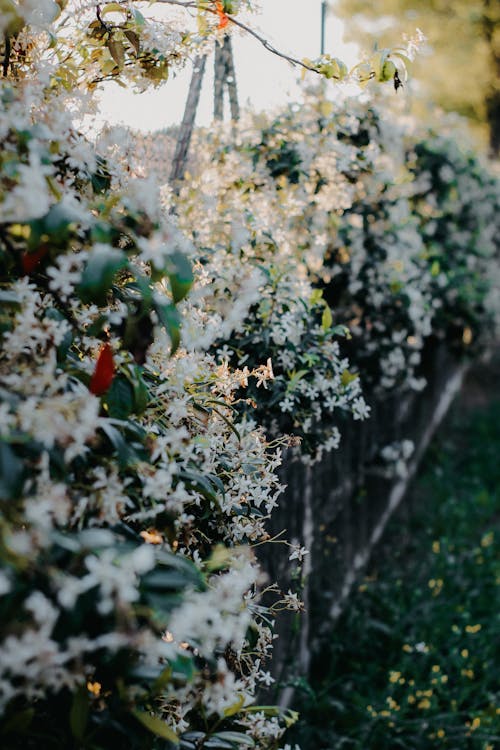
pixel 338 509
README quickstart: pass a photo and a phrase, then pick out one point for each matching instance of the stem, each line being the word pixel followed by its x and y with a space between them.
pixel 6 57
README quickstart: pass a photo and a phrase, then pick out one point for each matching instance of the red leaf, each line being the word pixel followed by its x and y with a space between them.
pixel 30 261
pixel 104 371
pixel 223 19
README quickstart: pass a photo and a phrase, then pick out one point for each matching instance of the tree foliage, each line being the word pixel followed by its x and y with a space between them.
pixel 461 71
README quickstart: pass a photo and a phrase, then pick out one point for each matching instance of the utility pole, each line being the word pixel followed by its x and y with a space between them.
pixel 323 24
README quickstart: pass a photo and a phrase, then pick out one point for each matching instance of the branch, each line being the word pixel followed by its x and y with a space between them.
pixel 188 4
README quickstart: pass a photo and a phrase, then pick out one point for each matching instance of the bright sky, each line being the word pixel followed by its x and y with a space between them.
pixel 264 80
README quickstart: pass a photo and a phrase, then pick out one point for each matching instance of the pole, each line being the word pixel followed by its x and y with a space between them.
pixel 225 76
pixel 323 25
pixel 186 131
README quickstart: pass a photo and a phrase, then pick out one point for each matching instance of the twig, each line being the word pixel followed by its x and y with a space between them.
pixel 188 4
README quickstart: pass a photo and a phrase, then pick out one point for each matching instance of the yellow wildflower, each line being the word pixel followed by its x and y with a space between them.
pixel 424 703
pixel 94 688
pixel 473 628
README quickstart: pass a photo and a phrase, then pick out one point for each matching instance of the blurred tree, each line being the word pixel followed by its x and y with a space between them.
pixel 463 73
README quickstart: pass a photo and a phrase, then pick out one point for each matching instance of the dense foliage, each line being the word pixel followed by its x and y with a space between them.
pixel 156 348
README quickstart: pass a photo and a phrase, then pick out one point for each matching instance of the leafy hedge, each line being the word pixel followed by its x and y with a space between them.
pixel 155 351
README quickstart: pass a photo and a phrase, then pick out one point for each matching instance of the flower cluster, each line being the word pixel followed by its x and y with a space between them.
pixel 354 218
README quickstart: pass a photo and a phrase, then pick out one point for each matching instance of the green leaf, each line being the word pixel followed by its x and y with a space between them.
pixel 348 378
pixel 180 274
pixel 171 320
pixel 173 571
pixel 126 456
pixel 316 296
pixel 183 668
pixel 220 559
pixel 165 580
pixel 236 738
pixel 235 708
pixel 201 483
pixel 139 388
pixel 142 285
pixel 162 680
pixel 156 725
pixel 294 379
pixel 217 743
pixel 64 346
pixel 435 268
pixel 327 318
pixel 119 398
pixel 97 277
pixel 113 8
pixel 11 473
pixel 138 17
pixel 79 713
pixel 101 182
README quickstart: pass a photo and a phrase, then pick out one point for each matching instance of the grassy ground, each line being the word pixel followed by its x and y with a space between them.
pixel 414 662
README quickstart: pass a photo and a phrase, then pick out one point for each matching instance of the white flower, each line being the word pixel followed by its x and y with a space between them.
pixel 298 553
pixel 265 678
pixel 5 584
pixel 360 409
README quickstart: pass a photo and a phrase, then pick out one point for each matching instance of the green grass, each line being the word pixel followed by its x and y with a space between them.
pixel 414 662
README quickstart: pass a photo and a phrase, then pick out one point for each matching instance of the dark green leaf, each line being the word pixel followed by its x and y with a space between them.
pixel 119 399
pixel 126 455
pixel 170 318
pixel 79 713
pixel 97 277
pixel 201 483
pixel 237 738
pixel 165 580
pixel 64 346
pixel 57 223
pixel 11 473
pixel 180 274
pixel 139 389
pixel 216 743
